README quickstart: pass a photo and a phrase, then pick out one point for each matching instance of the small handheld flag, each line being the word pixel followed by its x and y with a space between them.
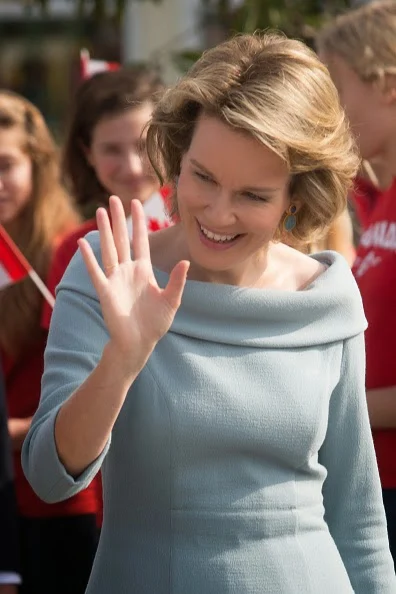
pixel 14 267
pixel 89 67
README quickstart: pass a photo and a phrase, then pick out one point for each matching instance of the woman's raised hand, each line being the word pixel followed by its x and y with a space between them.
pixel 137 312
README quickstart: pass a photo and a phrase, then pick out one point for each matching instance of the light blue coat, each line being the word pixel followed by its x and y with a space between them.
pixel 242 460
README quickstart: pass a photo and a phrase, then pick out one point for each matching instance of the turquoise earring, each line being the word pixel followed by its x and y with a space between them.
pixel 290 220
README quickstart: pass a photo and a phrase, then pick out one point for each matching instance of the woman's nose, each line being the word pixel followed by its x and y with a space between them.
pixel 220 210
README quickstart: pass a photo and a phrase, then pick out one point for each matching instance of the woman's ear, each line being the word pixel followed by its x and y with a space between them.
pixel 296 203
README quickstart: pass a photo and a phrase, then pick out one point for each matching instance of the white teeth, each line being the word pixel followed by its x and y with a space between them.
pixel 216 237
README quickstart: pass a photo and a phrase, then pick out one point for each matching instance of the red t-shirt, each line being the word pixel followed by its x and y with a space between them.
pixel 375 273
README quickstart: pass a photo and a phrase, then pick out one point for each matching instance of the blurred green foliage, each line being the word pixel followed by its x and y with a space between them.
pixel 296 18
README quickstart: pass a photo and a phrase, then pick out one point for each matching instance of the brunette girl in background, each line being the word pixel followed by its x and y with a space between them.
pixel 104 154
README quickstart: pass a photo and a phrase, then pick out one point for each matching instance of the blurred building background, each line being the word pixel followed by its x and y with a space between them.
pixel 40 40
pixel 39 49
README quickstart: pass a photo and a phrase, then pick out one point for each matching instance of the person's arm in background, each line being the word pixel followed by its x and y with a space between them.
pixel 382 407
pixel 340 237
pixel 18 429
pixel 9 558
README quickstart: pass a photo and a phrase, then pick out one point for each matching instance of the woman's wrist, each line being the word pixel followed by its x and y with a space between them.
pixel 122 365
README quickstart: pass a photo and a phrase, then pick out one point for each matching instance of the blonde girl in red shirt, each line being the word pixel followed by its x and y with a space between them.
pixel 360 51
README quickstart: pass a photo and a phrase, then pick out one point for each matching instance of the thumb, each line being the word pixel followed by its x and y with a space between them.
pixel 174 289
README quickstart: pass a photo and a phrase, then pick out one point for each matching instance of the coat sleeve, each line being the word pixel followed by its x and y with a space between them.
pixel 352 492
pixel 76 340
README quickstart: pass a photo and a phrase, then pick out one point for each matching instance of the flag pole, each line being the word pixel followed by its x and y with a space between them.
pixel 84 61
pixel 25 266
pixel 46 293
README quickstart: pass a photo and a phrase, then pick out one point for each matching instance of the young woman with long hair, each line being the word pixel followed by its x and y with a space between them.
pixel 37 213
pixel 104 154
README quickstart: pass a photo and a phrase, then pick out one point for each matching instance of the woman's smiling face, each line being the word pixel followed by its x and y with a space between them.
pixel 232 194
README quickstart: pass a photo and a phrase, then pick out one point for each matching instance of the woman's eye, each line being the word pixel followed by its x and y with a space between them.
pixel 5 166
pixel 256 197
pixel 203 176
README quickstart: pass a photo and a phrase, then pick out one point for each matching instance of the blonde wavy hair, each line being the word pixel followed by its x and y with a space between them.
pixel 47 216
pixel 276 90
pixel 365 38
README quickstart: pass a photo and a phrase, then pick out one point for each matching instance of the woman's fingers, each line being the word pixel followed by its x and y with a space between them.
pixel 107 245
pixel 174 289
pixel 120 231
pixel 140 242
pixel 95 272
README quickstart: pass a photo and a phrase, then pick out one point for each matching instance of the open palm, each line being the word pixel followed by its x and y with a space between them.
pixel 137 312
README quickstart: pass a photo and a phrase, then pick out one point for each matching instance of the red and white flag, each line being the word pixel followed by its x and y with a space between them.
pixel 89 67
pixel 14 266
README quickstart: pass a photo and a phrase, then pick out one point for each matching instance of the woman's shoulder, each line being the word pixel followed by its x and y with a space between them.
pixel 298 270
pixel 329 299
pixel 324 282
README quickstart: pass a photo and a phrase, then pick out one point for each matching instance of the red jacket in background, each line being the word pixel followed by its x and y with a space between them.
pixel 23 386
pixel 375 273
